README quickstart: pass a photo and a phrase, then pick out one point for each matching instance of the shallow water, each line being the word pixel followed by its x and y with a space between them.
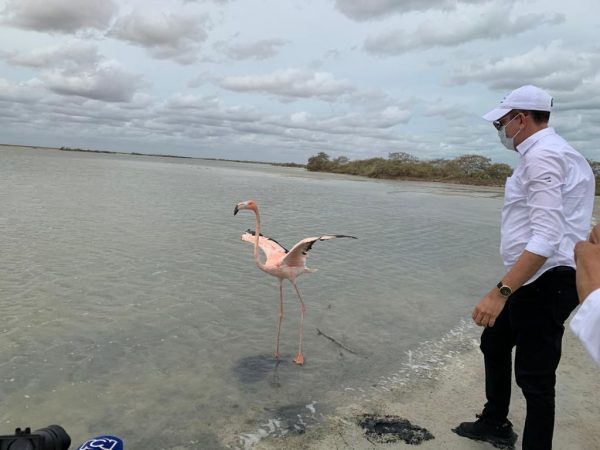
pixel 131 307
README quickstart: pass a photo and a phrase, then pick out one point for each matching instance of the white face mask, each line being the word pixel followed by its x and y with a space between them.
pixel 509 143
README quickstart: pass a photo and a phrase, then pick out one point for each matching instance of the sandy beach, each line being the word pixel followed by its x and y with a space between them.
pixel 454 393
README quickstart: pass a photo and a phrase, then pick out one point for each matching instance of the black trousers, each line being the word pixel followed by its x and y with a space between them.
pixel 533 322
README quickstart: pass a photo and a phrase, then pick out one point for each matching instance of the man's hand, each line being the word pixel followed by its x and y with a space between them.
pixel 489 308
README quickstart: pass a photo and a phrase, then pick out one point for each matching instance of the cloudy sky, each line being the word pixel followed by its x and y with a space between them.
pixel 281 80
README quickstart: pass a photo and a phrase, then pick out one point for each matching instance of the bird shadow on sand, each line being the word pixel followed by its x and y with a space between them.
pixel 260 368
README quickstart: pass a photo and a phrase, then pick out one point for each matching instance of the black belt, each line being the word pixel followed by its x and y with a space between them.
pixel 561 269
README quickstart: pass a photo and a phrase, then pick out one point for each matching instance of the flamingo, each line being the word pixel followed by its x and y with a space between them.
pixel 283 264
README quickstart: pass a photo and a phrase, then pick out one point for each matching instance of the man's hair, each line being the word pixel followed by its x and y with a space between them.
pixel 537 116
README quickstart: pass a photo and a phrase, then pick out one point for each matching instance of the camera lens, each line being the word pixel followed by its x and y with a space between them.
pixel 53 437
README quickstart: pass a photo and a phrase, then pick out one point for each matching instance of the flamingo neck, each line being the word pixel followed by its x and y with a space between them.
pixel 256 257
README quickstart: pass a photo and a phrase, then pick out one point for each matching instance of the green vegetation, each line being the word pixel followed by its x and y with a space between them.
pixel 466 169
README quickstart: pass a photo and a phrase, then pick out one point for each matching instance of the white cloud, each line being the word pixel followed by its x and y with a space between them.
pixel 292 83
pixel 459 27
pixel 553 66
pixel 208 121
pixel 165 36
pixel 206 110
pixel 258 50
pixel 362 10
pixel 582 99
pixel 69 54
pixel 27 92
pixel 441 108
pixel 107 81
pixel 393 115
pixel 76 68
pixel 62 16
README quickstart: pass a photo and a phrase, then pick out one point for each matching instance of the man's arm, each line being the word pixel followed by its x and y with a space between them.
pixel 490 306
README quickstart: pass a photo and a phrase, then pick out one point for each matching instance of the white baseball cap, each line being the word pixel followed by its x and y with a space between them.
pixel 529 98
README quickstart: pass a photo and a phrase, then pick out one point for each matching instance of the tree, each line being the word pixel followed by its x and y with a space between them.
pixel 472 166
pixel 320 162
pixel 499 171
pixel 402 157
pixel 340 161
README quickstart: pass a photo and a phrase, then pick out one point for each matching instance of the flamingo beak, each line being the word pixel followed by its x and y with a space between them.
pixel 235 210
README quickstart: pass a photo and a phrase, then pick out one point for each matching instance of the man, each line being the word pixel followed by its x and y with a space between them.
pixel 586 323
pixel 548 204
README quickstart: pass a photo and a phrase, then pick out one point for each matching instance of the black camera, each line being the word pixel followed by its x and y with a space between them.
pixel 53 437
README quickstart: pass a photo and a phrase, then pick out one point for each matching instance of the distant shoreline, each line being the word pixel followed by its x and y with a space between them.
pixel 112 152
pixel 461 182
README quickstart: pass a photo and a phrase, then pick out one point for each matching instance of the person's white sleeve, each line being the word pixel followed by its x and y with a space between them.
pixel 546 176
pixel 586 325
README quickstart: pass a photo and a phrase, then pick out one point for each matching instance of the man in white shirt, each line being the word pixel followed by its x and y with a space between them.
pixel 548 204
pixel 586 323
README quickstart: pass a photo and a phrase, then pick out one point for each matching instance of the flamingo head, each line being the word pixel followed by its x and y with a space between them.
pixel 250 204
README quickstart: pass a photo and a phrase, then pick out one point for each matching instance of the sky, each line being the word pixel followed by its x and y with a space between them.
pixel 282 80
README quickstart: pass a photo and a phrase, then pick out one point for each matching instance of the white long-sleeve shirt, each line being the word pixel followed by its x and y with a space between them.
pixel 586 325
pixel 548 202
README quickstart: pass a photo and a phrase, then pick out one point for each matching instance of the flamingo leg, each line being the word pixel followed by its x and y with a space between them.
pixel 280 318
pixel 299 359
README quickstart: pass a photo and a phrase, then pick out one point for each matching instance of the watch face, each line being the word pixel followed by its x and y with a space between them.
pixel 506 291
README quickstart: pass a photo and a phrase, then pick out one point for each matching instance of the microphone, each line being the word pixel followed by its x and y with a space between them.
pixel 102 443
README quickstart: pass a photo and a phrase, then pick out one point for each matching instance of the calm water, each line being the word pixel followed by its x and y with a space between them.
pixel 130 306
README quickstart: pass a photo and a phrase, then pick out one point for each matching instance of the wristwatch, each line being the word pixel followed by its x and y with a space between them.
pixel 505 290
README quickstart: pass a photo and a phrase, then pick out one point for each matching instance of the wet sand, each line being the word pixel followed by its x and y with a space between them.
pixel 454 393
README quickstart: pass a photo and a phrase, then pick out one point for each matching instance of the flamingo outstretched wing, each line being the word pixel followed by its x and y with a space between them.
pixel 267 245
pixel 297 255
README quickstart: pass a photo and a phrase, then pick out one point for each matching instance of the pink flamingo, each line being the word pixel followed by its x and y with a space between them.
pixel 282 264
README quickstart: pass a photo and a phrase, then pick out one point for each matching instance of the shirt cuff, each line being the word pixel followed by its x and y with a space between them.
pixel 540 246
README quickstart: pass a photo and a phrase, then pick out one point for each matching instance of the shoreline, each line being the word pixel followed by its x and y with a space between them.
pixel 155 155
pixel 450 183
pixel 460 187
pixel 455 393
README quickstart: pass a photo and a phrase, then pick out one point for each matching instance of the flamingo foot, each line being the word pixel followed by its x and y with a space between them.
pixel 299 359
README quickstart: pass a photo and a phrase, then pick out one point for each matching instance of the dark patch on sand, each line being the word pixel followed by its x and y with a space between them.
pixel 386 429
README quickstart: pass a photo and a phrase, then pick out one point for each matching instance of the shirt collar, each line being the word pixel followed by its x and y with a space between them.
pixel 531 140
